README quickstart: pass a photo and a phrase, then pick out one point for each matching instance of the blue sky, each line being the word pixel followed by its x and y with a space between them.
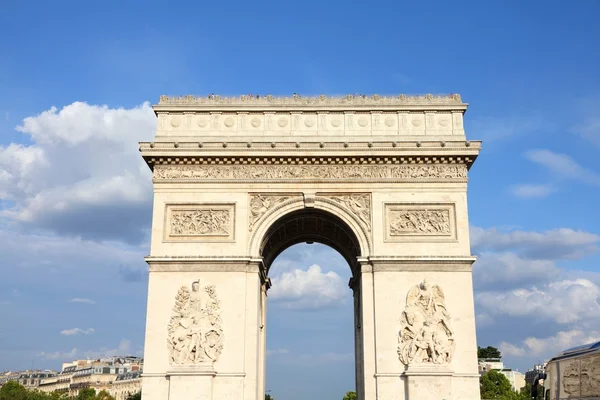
pixel 75 198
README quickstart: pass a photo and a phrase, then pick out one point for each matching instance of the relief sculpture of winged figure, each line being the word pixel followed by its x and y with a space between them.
pixel 426 335
pixel 195 333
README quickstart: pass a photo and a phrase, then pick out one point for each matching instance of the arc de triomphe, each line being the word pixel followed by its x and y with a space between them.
pixel 382 180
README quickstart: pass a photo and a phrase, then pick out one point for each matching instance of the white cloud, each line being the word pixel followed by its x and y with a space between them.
pixel 57 355
pixel 83 174
pixel 508 270
pixel 562 302
pixel 77 331
pixel 549 346
pixel 532 190
pixel 589 129
pixel 274 352
pixel 308 289
pixel 81 300
pixel 563 166
pixel 563 243
pixel 123 349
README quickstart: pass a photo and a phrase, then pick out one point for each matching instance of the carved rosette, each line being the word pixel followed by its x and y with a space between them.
pixel 310 172
pixel 260 204
pixel 358 204
pixel 195 331
pixel 425 335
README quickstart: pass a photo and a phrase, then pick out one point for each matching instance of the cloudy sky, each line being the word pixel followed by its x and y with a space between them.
pixel 75 197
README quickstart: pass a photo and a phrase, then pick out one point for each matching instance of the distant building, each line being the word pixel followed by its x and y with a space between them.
pixel 535 371
pixel 126 384
pixel 488 364
pixel 30 378
pixel 99 375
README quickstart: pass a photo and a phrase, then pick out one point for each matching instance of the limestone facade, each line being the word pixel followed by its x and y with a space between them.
pixel 383 180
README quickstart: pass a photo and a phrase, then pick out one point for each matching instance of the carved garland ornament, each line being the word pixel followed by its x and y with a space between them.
pixel 425 335
pixel 252 172
pixel 206 222
pixel 195 332
pixel 421 222
pixel 260 204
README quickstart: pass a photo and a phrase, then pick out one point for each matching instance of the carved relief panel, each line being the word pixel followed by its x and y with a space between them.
pixel 195 330
pixel 359 204
pixel 199 222
pixel 260 204
pixel 420 222
pixel 426 335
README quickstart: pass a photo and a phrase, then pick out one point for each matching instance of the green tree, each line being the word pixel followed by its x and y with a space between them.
pixel 495 386
pixel 13 390
pixel 269 397
pixel 103 395
pixel 488 352
pixel 350 396
pixel 136 396
pixel 86 394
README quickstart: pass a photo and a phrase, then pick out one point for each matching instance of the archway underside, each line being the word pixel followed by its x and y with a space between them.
pixel 310 225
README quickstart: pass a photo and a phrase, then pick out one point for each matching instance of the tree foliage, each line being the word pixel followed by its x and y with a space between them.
pixel 488 352
pixel 495 386
pixel 13 390
pixel 136 396
pixel 269 397
pixel 350 396
pixel 86 394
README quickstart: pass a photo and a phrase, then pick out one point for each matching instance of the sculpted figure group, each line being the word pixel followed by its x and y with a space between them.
pixel 425 335
pixel 195 333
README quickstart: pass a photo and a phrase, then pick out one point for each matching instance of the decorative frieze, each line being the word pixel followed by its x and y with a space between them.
pixel 420 222
pixel 358 204
pixel 311 172
pixel 425 336
pixel 195 331
pixel 200 222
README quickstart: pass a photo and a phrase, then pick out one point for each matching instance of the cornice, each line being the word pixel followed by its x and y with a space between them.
pixel 310 160
pixel 310 152
pixel 298 102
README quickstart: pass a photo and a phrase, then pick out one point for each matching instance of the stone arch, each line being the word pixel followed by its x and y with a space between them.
pixel 350 228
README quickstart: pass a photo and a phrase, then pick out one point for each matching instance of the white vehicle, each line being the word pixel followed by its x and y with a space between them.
pixel 573 374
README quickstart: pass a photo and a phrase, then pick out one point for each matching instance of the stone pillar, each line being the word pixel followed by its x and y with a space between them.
pixel 224 327
pixel 424 329
pixel 367 352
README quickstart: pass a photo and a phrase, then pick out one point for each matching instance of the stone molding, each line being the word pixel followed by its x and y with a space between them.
pixel 417 264
pixel 419 148
pixel 321 100
pixel 204 264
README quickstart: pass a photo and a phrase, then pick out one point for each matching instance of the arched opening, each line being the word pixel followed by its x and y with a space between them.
pixel 310 225
pixel 311 248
